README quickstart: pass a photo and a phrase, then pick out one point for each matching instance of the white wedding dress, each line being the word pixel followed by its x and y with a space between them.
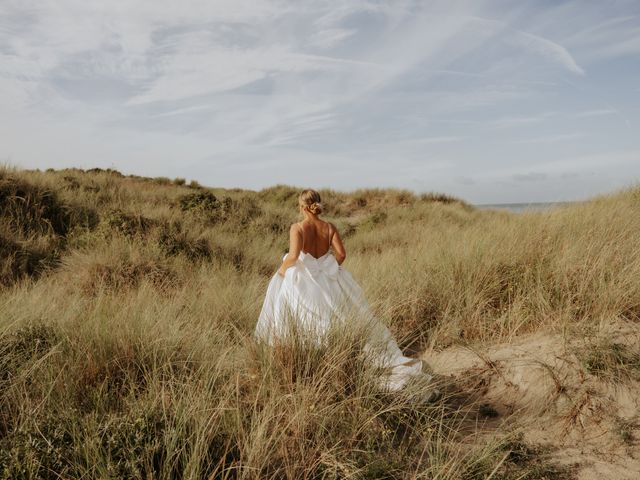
pixel 316 292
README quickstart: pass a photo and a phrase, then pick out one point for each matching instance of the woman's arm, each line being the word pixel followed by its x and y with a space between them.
pixel 338 247
pixel 295 245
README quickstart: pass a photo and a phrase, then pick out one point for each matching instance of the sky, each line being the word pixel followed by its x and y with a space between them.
pixel 492 101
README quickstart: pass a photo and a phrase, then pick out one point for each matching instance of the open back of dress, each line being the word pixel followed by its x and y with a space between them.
pixel 316 238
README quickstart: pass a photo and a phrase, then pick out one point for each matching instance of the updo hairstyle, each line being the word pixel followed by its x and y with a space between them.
pixel 310 200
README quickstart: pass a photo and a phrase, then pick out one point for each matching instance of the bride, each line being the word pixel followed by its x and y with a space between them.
pixel 312 284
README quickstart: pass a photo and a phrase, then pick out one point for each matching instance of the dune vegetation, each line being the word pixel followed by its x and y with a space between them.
pixel 127 306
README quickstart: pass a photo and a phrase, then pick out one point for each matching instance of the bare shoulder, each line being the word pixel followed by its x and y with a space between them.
pixel 295 227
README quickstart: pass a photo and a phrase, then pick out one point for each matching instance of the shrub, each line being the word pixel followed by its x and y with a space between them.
pixel 26 258
pixel 346 228
pixel 109 171
pixel 162 181
pixel 207 206
pixel 607 358
pixel 29 209
pixel 91 188
pixel 231 255
pixel 431 197
pixel 34 224
pixel 134 444
pixel 244 210
pixel 200 201
pixel 373 220
pixel 280 194
pixel 125 274
pixel 41 450
pixel 128 224
pixel 173 240
pixel 273 223
pixel 72 182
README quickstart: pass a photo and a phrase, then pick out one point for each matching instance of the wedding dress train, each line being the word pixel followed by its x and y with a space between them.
pixel 319 291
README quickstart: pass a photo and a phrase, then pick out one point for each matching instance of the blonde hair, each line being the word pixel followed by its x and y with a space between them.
pixel 309 199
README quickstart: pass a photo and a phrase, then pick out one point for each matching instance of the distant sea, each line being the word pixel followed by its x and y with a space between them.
pixel 522 207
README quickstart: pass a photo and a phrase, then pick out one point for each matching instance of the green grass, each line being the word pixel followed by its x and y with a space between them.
pixel 611 360
pixel 127 306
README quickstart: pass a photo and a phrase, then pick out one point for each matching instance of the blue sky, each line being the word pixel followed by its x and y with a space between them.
pixel 493 101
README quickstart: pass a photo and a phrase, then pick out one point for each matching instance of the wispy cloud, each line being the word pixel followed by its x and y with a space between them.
pixel 404 86
pixel 596 113
pixel 329 38
pixel 550 138
pixel 518 121
pixel 548 49
pixel 614 37
pixel 552 50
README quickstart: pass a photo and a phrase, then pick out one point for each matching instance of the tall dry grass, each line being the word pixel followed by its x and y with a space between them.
pixel 128 304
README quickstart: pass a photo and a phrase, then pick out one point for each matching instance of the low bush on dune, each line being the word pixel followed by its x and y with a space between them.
pixel 175 240
pixel 610 360
pixel 438 197
pixel 229 254
pixel 71 182
pixel 244 210
pixel 34 223
pixel 280 195
pixel 234 213
pixel 125 274
pixel 373 221
pixel 128 224
pixel 164 181
pixel 201 202
pixel 28 209
pixel 47 449
pixel 27 258
pixel 274 223
pixel 107 171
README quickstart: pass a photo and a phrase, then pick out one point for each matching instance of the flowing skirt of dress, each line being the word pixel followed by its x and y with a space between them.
pixel 317 291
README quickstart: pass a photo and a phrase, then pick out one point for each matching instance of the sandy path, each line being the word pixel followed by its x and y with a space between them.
pixel 539 385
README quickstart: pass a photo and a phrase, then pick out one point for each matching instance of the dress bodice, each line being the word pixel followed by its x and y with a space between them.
pixel 326 264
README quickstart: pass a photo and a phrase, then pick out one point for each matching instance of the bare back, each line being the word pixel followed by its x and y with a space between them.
pixel 316 237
